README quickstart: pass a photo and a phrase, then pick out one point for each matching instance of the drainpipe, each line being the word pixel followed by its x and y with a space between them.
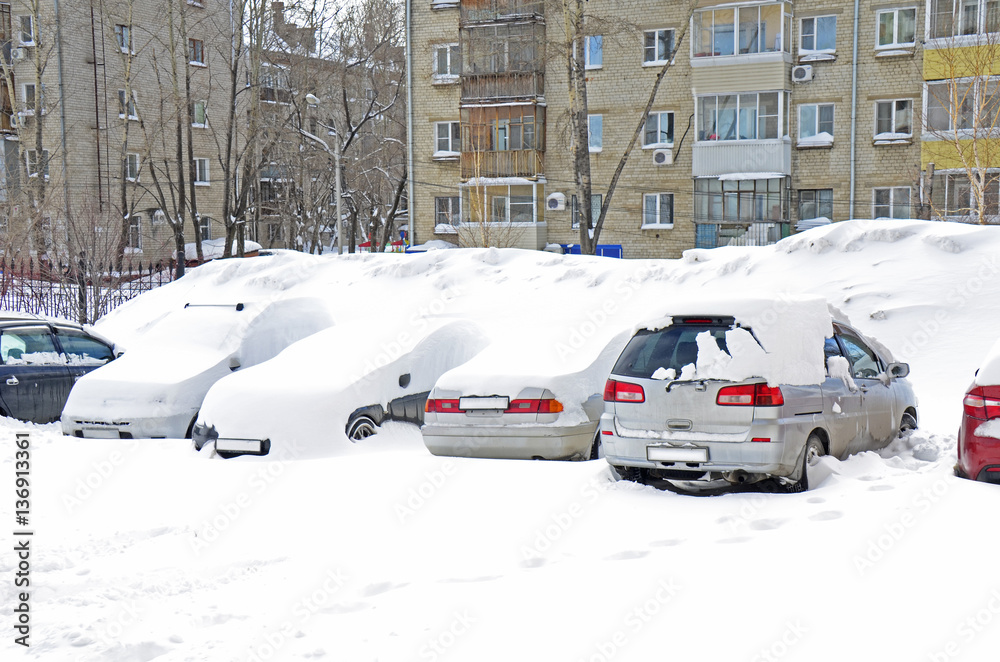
pixel 409 122
pixel 854 105
pixel 62 117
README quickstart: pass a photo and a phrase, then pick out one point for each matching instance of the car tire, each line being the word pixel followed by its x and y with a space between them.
pixel 361 427
pixel 907 424
pixel 813 451
pixel 596 452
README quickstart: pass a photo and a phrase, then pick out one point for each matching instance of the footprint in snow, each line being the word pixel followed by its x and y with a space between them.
pixel 816 500
pixel 469 580
pixel 625 556
pixel 381 587
pixel 766 524
pixel 665 543
pixel 880 488
pixel 826 516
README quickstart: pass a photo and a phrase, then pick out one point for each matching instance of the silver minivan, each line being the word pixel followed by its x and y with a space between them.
pixel 660 423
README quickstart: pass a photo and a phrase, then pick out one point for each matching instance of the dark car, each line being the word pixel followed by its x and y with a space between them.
pixel 979 436
pixel 40 360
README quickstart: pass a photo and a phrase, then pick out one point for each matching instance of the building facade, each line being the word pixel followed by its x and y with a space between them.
pixel 102 105
pixel 771 114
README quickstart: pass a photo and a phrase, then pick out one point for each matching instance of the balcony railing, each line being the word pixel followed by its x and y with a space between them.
pixel 714 158
pixel 757 233
pixel 513 163
pixel 477 11
pixel 511 85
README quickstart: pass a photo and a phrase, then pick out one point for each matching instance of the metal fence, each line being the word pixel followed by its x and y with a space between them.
pixel 29 286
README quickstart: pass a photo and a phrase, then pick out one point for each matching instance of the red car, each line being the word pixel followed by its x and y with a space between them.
pixel 979 437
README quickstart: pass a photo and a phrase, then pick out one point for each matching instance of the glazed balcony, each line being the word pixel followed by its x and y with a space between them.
pixel 499 87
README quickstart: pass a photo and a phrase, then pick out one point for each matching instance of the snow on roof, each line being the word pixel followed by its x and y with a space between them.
pixel 733 176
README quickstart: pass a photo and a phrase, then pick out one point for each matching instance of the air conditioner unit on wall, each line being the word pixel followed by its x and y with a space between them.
pixel 17 54
pixel 663 156
pixel 802 73
pixel 555 202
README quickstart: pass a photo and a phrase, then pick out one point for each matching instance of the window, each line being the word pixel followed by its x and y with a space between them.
pixel 447 60
pixel 126 108
pixel 196 52
pixel 31 158
pixel 892 202
pixel 199 115
pixel 503 128
pixel 896 27
pixel 759 30
pixel 201 172
pixel 818 34
pixel 593 52
pixel 205 227
pixel 446 211
pixel 739 201
pixel 657 45
pixel 596 201
pixel 752 116
pixel 894 117
pixel 815 120
pixel 30 98
pixel 448 138
pixel 816 203
pixel 27 32
pixel 132 167
pixel 952 18
pixel 595 132
pixel 979 107
pixel 864 362
pixel 134 238
pixel 951 196
pixel 658 210
pixel 659 130
pixel 82 349
pixel 274 85
pixel 123 35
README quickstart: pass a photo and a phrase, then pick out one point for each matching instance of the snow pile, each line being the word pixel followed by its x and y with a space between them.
pixel 989 372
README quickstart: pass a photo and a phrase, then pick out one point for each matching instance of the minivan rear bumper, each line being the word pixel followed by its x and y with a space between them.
pixel 778 457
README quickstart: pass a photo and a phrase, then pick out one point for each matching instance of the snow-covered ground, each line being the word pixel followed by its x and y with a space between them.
pixel 146 550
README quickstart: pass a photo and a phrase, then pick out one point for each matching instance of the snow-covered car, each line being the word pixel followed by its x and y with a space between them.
pixel 155 389
pixel 348 379
pixel 40 359
pixel 979 435
pixel 743 391
pixel 522 399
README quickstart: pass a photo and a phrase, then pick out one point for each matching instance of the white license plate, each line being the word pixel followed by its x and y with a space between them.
pixel 101 433
pixel 493 402
pixel 671 454
pixel 250 446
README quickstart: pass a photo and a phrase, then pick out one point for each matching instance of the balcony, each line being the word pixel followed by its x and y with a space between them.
pixel 508 86
pixel 771 158
pixel 484 11
pixel 526 163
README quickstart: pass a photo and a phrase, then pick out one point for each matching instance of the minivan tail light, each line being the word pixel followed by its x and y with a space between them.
pixel 750 395
pixel 615 391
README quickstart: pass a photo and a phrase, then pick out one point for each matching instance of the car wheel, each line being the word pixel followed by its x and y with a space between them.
pixel 907 425
pixel 361 428
pixel 813 451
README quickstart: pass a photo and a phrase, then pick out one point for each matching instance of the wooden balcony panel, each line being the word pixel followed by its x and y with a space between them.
pixel 475 11
pixel 502 86
pixel 513 163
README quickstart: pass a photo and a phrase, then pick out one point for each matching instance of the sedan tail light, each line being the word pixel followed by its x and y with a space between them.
pixel 983 402
pixel 615 391
pixel 433 406
pixel 750 395
pixel 535 406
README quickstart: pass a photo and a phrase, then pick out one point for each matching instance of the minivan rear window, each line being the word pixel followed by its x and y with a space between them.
pixel 671 348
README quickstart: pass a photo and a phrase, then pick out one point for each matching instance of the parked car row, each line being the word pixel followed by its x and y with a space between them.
pixel 713 394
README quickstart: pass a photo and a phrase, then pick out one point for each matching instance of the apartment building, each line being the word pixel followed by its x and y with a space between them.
pixel 100 102
pixel 771 113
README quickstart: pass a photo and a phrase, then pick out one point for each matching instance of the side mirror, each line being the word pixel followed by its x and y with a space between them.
pixel 898 370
